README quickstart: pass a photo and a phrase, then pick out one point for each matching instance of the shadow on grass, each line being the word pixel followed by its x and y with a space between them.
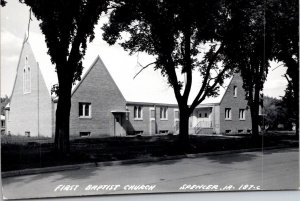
pixel 92 150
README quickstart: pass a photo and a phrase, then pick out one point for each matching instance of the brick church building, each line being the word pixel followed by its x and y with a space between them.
pixel 106 104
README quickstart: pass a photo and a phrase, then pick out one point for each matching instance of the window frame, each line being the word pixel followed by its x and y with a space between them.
pixel 151 109
pixel 163 113
pixel 84 104
pixel 26 77
pixel 228 115
pixel 235 91
pixel 243 116
pixel 137 109
pixel 176 110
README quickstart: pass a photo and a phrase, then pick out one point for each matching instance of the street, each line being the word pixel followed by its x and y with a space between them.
pixel 276 169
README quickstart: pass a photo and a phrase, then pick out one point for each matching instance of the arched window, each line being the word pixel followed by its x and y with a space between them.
pixel 26 77
pixel 234 91
pixel 138 112
pixel 24 80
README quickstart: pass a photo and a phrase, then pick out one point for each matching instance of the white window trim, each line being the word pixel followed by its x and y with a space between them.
pixel 230 114
pixel 164 109
pixel 176 110
pixel 243 116
pixel 176 119
pixel 138 118
pixel 83 110
pixel 150 110
pixel 235 91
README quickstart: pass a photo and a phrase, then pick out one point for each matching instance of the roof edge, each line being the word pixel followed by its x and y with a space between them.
pixel 98 58
pixel 227 88
pixel 150 103
pixel 85 75
pixel 18 65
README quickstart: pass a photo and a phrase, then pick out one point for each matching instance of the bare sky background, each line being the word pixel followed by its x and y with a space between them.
pixel 14 22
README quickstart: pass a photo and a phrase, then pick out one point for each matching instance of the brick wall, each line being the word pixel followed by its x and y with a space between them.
pixel 235 103
pixel 157 124
pixel 99 89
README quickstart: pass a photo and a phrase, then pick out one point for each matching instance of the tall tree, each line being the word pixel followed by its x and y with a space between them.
pixel 289 108
pixel 250 49
pixel 67 25
pixel 175 32
pixel 274 113
pixel 283 17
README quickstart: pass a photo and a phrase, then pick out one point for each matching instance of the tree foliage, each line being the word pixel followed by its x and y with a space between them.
pixel 4 101
pixel 272 111
pixel 251 50
pixel 183 36
pixel 68 26
pixel 283 17
pixel 289 108
pixel 279 111
pixel 263 31
pixel 3 2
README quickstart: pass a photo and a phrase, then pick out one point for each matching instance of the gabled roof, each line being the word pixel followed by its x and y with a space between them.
pixel 39 49
pixel 148 87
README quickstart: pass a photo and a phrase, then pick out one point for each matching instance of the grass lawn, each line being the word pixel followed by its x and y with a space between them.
pixel 23 152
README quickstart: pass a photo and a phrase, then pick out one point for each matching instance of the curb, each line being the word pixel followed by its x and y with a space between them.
pixel 125 162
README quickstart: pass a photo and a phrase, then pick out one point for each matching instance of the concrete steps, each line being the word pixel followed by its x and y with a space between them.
pixel 201 130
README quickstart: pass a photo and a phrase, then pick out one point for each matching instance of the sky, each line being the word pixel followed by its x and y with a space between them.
pixel 14 22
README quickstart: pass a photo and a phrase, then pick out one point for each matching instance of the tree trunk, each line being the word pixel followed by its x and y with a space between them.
pixel 254 107
pixel 295 80
pixel 62 124
pixel 296 103
pixel 255 121
pixel 293 73
pixel 184 128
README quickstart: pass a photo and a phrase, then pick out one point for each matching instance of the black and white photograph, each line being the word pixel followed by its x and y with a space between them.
pixel 139 97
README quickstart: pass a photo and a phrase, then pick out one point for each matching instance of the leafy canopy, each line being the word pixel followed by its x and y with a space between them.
pixel 184 35
pixel 251 45
pixel 67 25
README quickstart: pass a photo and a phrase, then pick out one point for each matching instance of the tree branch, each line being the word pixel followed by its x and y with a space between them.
pixel 173 79
pixel 187 63
pixel 277 67
pixel 218 79
pixel 207 73
pixel 288 79
pixel 143 68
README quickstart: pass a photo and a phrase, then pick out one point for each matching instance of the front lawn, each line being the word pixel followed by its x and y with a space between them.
pixel 22 153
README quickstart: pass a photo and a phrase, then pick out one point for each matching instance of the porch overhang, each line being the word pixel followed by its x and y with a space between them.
pixel 119 111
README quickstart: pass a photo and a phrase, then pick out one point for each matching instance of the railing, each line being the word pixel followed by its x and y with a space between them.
pixel 202 125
